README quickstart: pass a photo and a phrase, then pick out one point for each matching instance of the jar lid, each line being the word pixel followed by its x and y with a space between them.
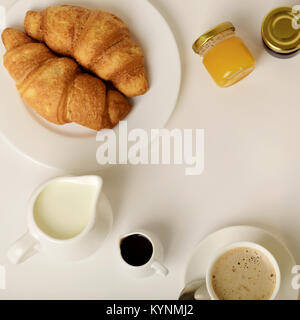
pixel 279 31
pixel 204 38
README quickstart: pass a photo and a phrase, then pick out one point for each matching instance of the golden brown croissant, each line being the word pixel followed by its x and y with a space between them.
pixel 57 89
pixel 98 40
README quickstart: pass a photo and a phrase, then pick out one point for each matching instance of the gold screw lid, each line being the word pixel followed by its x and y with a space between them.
pixel 204 38
pixel 279 32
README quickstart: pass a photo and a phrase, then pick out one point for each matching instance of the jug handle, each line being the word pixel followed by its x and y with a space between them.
pixel 159 268
pixel 24 248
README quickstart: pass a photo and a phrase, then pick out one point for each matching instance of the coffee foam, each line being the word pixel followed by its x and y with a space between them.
pixel 243 273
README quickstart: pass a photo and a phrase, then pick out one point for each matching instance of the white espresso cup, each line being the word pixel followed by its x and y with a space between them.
pixel 94 230
pixel 206 290
pixel 147 263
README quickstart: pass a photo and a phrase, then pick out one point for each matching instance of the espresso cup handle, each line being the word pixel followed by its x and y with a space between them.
pixel 201 293
pixel 23 249
pixel 159 268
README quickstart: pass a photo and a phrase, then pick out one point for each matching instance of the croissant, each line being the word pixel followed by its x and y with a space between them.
pixel 57 89
pixel 98 40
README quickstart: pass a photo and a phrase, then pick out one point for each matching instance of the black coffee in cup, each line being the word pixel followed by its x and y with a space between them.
pixel 136 250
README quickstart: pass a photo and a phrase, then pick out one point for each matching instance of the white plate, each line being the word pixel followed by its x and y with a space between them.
pixel 197 265
pixel 71 147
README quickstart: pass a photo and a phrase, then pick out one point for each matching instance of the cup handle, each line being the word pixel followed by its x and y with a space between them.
pixel 201 293
pixel 159 268
pixel 23 249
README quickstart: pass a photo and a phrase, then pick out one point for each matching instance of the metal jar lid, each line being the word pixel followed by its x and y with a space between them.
pixel 200 44
pixel 279 31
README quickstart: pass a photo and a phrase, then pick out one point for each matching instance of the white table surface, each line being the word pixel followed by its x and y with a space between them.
pixel 251 177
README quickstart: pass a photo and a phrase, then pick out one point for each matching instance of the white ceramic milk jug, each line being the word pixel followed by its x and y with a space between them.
pixel 68 219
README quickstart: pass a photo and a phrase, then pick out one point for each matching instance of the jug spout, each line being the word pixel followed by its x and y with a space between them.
pixel 89 191
pixel 91 180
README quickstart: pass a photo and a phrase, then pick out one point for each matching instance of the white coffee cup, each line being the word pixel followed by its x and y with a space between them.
pixel 153 265
pixel 206 290
pixel 76 248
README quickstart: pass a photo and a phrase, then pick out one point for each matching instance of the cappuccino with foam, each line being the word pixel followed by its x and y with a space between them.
pixel 243 273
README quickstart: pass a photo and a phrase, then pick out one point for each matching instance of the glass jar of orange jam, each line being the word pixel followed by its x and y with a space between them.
pixel 225 56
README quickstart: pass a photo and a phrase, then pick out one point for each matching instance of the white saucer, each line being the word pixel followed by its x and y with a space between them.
pixel 196 268
pixel 43 277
